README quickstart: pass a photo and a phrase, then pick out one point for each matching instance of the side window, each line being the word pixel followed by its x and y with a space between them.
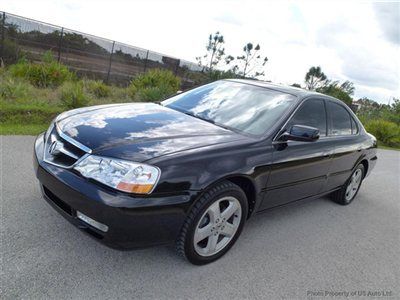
pixel 354 127
pixel 341 120
pixel 311 113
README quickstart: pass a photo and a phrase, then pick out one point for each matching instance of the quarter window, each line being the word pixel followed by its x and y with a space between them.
pixel 354 127
pixel 311 113
pixel 341 120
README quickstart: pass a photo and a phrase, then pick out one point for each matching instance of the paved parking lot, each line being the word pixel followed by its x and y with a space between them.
pixel 290 252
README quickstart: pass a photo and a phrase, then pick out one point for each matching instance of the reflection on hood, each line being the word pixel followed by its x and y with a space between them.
pixel 142 130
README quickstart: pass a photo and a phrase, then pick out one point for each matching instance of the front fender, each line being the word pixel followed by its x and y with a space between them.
pixel 198 170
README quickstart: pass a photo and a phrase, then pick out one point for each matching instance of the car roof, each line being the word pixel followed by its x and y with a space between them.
pixel 298 92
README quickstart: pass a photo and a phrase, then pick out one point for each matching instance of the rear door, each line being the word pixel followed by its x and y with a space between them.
pixel 300 169
pixel 344 132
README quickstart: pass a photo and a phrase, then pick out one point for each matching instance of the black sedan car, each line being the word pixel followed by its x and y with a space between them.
pixel 193 168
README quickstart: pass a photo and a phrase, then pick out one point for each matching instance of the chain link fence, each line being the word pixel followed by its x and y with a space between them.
pixel 88 55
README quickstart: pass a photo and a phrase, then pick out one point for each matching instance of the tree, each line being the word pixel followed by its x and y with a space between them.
pixel 315 78
pixel 392 113
pixel 395 106
pixel 338 93
pixel 251 62
pixel 342 91
pixel 215 52
pixel 368 104
pixel 218 75
pixel 348 87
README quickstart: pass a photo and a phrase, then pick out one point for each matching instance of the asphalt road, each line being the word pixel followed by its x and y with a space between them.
pixel 285 253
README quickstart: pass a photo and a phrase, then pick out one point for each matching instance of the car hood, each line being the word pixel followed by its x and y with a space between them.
pixel 140 131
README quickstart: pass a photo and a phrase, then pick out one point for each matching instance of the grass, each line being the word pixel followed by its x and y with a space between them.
pixel 26 119
pixel 22 129
pixel 27 110
pixel 32 94
pixel 28 113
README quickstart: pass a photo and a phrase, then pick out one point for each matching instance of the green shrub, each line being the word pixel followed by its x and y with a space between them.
pixel 98 88
pixel 118 94
pixel 131 91
pixel 49 73
pixel 386 132
pixel 153 94
pixel 14 88
pixel 73 95
pixel 155 85
pixel 11 52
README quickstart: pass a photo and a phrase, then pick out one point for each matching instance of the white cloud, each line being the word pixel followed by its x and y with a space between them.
pixel 353 41
pixel 388 15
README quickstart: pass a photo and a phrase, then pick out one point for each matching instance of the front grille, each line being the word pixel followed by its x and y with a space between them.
pixel 57 201
pixel 61 152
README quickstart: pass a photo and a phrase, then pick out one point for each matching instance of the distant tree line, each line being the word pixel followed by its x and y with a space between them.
pixel 382 120
pixel 217 64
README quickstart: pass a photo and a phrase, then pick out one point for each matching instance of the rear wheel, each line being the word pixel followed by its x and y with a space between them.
pixel 349 190
pixel 214 224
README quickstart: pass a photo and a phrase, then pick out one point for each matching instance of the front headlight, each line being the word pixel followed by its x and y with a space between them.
pixel 50 129
pixel 120 174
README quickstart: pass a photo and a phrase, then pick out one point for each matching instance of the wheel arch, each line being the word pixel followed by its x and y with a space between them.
pixel 244 182
pixel 248 187
pixel 364 162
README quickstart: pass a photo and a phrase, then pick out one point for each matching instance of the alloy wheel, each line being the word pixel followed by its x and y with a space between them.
pixel 217 226
pixel 353 185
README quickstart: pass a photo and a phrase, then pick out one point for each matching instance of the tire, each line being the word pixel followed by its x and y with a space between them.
pixel 215 222
pixel 343 196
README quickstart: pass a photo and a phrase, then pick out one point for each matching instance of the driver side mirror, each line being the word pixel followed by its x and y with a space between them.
pixel 300 133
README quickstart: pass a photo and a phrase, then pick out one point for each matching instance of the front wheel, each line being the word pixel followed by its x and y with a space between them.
pixel 349 190
pixel 214 224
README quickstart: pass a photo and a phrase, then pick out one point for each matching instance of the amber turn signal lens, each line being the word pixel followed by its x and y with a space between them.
pixel 135 188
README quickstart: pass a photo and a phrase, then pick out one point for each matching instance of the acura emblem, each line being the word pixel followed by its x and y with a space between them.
pixel 55 147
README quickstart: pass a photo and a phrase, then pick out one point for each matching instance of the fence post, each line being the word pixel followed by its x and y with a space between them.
pixel 3 25
pixel 60 44
pixel 177 66
pixel 109 64
pixel 145 61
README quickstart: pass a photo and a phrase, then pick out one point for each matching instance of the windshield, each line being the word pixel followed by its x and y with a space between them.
pixel 243 107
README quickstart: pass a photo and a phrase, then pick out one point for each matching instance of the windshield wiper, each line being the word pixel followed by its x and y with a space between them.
pixel 208 120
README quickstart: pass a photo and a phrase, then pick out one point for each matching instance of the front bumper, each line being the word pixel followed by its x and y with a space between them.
pixel 133 222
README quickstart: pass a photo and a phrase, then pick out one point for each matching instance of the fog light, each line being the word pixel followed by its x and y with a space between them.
pixel 91 222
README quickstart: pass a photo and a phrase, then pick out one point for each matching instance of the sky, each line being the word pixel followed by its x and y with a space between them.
pixel 350 40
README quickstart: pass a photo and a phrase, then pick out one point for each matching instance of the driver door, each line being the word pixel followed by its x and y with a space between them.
pixel 299 169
